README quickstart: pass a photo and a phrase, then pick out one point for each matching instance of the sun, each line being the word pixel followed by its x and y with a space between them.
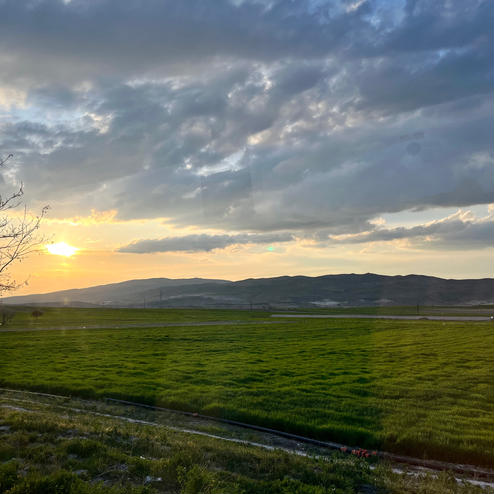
pixel 61 249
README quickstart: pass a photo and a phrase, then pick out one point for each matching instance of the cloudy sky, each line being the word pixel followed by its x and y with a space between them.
pixel 236 139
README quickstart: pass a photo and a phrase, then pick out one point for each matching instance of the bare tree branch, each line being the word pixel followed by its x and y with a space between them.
pixel 18 234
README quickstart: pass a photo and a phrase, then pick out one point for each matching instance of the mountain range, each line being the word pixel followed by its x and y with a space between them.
pixel 342 290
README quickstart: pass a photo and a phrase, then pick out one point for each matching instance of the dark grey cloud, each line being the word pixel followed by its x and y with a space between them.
pixel 432 79
pixel 439 25
pixel 457 232
pixel 201 242
pixel 56 41
pixel 85 39
pixel 250 116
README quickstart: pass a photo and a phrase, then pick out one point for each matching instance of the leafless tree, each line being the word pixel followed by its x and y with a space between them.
pixel 18 233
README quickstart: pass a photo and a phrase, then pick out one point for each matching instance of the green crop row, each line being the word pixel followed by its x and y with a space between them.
pixel 420 388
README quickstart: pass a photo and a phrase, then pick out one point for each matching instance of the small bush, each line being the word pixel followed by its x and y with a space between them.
pixel 61 482
pixel 8 475
pixel 197 480
pixel 85 448
pixel 36 313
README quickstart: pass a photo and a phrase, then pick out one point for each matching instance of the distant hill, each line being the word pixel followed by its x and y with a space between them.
pixel 344 290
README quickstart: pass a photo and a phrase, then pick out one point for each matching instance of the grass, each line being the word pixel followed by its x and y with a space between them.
pixel 44 451
pixel 89 317
pixel 476 310
pixel 423 388
pixel 77 317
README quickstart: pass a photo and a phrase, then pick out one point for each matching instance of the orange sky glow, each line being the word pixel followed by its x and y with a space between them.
pixel 97 261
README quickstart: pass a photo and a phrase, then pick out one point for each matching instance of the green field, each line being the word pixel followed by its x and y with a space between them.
pixel 423 388
pixel 406 310
pixel 48 447
pixel 22 316
pixel 59 317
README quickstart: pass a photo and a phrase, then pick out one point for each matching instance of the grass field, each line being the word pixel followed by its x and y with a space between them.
pixel 70 316
pixel 406 310
pixel 47 446
pixel 57 317
pixel 422 388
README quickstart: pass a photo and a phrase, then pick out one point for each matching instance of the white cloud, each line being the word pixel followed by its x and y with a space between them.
pixel 11 96
pixel 459 231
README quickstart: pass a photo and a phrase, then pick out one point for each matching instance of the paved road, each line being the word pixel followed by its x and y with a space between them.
pixel 364 316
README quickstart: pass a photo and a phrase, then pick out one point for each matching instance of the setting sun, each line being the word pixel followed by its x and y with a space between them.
pixel 61 249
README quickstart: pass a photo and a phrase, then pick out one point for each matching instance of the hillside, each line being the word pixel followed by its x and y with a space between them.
pixel 282 292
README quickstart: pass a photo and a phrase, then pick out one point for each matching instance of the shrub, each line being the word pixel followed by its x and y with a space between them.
pixel 8 475
pixel 36 313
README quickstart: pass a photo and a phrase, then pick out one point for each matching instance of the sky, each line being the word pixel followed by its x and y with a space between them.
pixel 234 139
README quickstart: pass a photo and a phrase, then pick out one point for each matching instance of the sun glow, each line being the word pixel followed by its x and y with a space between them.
pixel 61 249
